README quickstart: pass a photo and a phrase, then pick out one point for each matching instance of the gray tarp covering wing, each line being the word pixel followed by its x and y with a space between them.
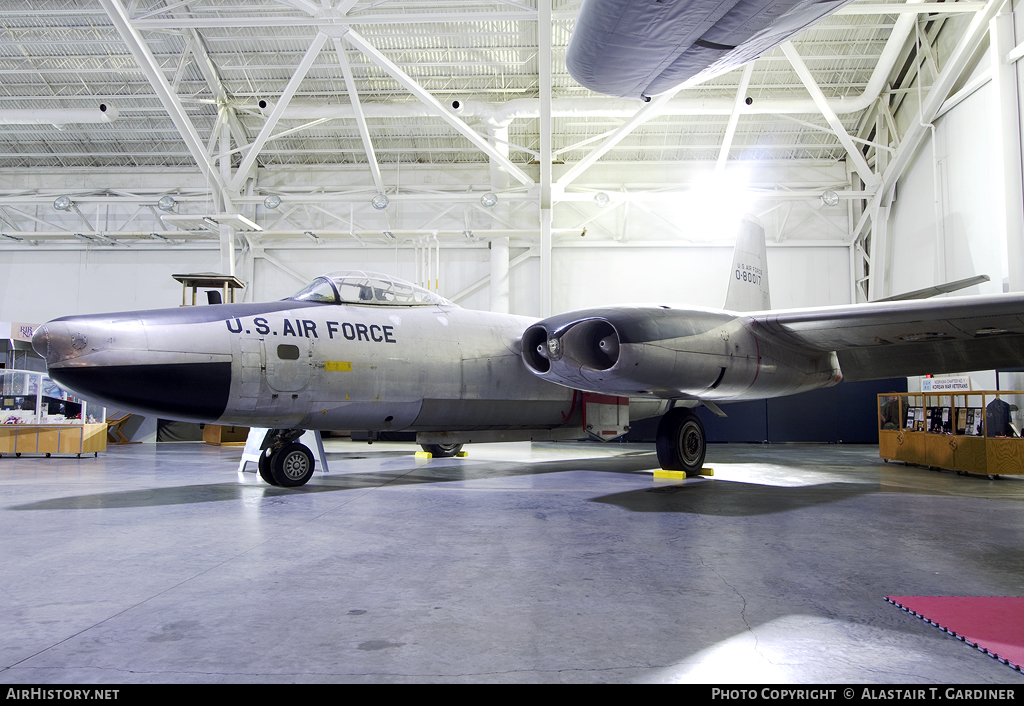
pixel 893 339
pixel 640 48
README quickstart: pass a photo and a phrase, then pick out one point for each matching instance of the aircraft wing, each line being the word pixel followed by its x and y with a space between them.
pixel 894 339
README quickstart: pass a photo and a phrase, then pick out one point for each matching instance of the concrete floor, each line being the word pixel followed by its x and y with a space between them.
pixel 546 563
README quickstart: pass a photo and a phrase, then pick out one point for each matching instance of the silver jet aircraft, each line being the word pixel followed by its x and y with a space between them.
pixel 361 351
pixel 353 350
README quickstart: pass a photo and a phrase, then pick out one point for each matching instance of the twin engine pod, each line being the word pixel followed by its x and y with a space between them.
pixel 672 353
pixel 591 344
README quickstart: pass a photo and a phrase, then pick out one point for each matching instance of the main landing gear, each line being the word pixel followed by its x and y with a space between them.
pixel 681 441
pixel 284 461
pixel 442 450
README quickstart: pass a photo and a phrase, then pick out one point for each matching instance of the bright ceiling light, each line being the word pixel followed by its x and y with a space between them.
pixel 601 199
pixel 489 199
pixel 829 198
pixel 711 209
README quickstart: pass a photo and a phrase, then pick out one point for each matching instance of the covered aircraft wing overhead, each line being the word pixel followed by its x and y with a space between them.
pixel 641 48
pixel 894 339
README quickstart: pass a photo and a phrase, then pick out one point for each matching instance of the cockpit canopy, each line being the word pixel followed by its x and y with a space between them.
pixel 368 289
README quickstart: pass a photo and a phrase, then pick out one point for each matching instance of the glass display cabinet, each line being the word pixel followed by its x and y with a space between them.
pixel 38 417
pixel 967 432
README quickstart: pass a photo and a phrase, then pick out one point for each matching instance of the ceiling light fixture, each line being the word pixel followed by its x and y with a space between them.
pixel 62 203
pixel 166 203
pixel 380 202
pixel 489 199
pixel 272 201
pixel 829 198
pixel 601 199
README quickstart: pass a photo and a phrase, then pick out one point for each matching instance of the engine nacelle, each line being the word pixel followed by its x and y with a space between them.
pixel 593 344
pixel 671 353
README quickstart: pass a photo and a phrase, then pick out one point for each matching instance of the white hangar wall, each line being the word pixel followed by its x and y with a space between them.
pixel 945 229
pixel 944 224
pixel 658 250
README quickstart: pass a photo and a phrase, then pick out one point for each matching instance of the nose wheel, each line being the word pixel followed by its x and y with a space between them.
pixel 681 441
pixel 292 466
pixel 287 466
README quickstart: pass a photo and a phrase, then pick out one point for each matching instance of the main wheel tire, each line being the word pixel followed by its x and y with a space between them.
pixel 681 441
pixel 442 450
pixel 292 465
pixel 264 466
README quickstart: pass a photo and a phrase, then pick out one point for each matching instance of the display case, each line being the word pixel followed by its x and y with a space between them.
pixel 38 417
pixel 967 432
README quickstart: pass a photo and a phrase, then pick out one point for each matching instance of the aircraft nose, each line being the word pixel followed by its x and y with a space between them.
pixel 146 365
pixel 55 341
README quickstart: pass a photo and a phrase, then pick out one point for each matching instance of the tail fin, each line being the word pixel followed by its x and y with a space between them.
pixel 748 280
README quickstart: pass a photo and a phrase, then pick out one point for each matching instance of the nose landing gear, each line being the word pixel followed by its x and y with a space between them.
pixel 283 461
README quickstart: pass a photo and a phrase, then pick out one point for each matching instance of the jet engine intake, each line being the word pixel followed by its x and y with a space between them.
pixel 572 354
pixel 534 349
pixel 593 344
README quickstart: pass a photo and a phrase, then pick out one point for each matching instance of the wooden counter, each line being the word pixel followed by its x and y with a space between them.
pixel 49 439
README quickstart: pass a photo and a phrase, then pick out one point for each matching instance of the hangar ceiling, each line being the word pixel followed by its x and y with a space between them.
pixel 223 89
pixel 71 55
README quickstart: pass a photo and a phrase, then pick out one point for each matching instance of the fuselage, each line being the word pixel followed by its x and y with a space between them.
pixel 309 365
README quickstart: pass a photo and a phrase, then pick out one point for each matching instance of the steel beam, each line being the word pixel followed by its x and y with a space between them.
pixel 275 115
pixel 334 21
pixel 197 47
pixel 364 131
pixel 410 84
pixel 930 8
pixel 956 63
pixel 168 98
pixel 869 178
pixel 648 111
pixel 734 117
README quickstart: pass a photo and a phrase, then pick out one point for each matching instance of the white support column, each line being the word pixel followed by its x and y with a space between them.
pixel 546 215
pixel 227 250
pixel 499 282
pixel 879 248
pixel 545 262
pixel 1009 191
pixel 227 233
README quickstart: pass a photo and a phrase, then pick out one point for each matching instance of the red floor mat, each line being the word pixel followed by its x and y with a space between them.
pixel 994 625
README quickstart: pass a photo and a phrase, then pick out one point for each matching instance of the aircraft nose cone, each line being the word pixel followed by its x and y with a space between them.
pixel 55 341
